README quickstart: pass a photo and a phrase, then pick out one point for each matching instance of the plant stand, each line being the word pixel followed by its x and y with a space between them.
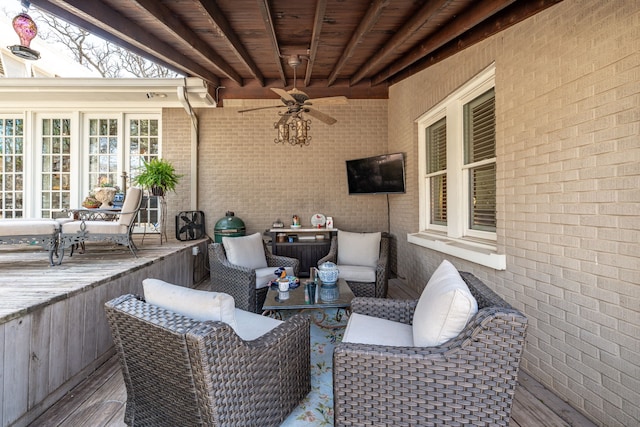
pixel 163 219
pixel 161 225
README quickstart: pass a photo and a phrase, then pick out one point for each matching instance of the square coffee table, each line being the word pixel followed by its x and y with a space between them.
pixel 272 304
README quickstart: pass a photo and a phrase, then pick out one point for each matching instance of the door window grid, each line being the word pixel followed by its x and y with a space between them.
pixel 12 168
pixel 103 152
pixel 144 145
pixel 56 166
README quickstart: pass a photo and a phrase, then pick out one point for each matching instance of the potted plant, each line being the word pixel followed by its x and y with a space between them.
pixel 158 176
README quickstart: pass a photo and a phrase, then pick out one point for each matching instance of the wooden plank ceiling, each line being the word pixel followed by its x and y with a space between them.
pixel 355 48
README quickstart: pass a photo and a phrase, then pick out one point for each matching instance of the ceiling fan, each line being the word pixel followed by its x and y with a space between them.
pixel 298 102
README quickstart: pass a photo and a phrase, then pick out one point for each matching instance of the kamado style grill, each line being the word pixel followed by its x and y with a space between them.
pixel 229 226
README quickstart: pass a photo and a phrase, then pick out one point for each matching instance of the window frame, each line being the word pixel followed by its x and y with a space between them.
pixel 457 237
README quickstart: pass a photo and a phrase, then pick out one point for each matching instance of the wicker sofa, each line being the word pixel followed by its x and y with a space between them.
pixel 468 380
pixel 179 371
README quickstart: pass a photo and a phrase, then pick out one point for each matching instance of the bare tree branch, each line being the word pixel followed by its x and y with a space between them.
pixel 108 59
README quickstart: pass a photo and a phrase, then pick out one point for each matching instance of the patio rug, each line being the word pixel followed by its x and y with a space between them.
pixel 317 408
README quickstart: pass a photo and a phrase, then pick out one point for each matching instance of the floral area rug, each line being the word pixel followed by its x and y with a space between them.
pixel 317 408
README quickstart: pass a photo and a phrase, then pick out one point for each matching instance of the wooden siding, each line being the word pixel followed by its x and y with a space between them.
pixel 53 329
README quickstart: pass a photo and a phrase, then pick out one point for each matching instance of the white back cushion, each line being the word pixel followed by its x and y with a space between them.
pixel 131 203
pixel 198 305
pixel 358 248
pixel 245 251
pixel 444 308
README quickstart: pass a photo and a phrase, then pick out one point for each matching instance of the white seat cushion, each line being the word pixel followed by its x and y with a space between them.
pixel 357 273
pixel 444 308
pixel 198 305
pixel 374 330
pixel 28 227
pixel 265 275
pixel 358 248
pixel 245 251
pixel 95 227
pixel 251 325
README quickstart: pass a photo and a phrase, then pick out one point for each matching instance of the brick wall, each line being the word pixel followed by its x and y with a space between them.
pixel 176 148
pixel 568 125
pixel 241 169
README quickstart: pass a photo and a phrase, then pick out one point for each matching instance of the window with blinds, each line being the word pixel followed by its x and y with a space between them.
pixel 480 160
pixel 436 142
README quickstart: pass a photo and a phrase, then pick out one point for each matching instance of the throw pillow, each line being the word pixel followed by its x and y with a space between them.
pixel 245 251
pixel 444 308
pixel 358 248
pixel 198 305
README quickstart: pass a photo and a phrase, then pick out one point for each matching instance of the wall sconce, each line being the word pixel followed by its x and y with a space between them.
pixel 26 30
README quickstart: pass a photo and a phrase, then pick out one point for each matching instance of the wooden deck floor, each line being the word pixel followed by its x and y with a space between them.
pixel 100 399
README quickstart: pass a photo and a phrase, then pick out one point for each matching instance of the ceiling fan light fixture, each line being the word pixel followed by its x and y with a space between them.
pixel 294 132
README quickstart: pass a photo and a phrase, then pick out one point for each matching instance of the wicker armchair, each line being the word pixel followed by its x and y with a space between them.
pixel 366 289
pixel 240 282
pixel 468 380
pixel 183 372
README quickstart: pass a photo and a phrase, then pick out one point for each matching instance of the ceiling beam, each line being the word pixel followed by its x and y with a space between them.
pixel 371 17
pixel 271 32
pixel 321 7
pixel 508 17
pixel 185 34
pixel 317 89
pixel 124 32
pixel 217 17
pixel 456 27
pixel 428 10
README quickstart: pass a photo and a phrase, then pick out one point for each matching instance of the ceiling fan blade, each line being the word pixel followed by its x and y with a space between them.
pixel 283 94
pixel 295 91
pixel 320 116
pixel 261 108
pixel 330 100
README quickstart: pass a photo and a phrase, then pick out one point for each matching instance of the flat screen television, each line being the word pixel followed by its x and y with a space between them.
pixel 376 175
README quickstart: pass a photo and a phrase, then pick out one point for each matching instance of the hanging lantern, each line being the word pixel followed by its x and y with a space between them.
pixel 26 30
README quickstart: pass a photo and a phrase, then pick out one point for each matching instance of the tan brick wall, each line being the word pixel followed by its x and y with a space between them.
pixel 568 125
pixel 176 148
pixel 241 169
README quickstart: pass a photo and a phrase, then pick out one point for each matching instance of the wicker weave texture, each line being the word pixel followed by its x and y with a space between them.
pixel 364 289
pixel 182 372
pixel 240 282
pixel 469 380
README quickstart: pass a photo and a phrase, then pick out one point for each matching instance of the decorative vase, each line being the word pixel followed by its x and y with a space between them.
pixel 104 195
pixel 328 273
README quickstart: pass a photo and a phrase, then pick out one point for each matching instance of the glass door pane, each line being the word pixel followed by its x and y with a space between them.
pixel 11 167
pixel 144 145
pixel 56 166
